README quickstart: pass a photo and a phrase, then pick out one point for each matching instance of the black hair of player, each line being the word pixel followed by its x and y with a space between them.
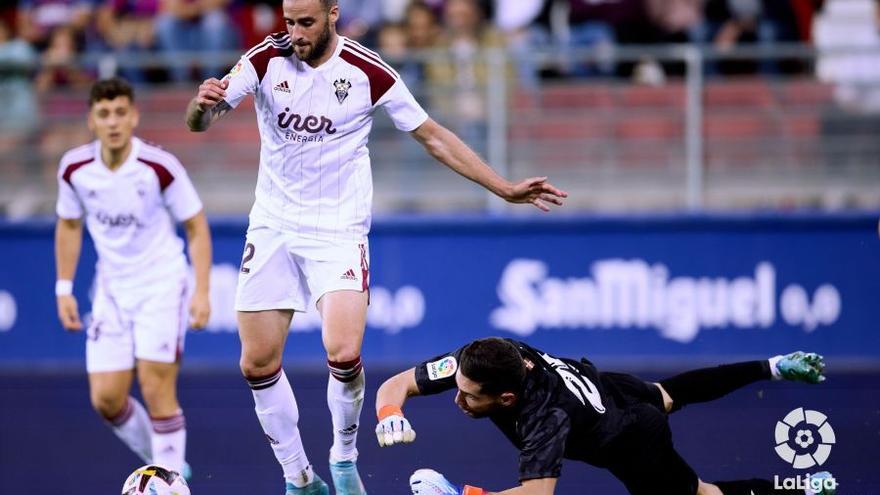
pixel 110 89
pixel 495 364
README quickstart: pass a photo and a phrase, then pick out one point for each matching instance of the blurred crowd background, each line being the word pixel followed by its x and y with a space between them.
pixel 632 104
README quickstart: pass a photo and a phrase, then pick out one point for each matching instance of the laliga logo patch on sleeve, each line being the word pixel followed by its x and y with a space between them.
pixel 235 70
pixel 444 368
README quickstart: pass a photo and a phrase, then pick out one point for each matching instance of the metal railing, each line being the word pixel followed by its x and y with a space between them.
pixel 695 140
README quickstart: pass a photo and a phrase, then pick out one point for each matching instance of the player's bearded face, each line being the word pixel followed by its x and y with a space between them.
pixel 314 49
pixel 310 27
pixel 113 122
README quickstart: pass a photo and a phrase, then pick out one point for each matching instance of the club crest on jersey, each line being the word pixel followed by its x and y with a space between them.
pixel 342 86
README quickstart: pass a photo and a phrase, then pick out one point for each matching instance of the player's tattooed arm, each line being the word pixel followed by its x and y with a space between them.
pixel 199 120
pixel 208 105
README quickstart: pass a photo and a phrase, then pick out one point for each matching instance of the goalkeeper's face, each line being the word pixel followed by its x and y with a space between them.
pixel 476 404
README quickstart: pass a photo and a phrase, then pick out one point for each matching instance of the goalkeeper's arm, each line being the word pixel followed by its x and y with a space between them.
pixel 393 428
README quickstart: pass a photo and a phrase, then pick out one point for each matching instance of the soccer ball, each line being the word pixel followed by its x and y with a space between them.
pixel 155 480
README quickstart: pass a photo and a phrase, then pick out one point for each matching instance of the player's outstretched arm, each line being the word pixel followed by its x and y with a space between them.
pixel 198 236
pixel 68 243
pixel 393 427
pixel 208 105
pixel 430 482
pixel 447 148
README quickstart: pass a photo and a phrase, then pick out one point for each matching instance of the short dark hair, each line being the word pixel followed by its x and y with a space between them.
pixel 495 364
pixel 328 4
pixel 110 89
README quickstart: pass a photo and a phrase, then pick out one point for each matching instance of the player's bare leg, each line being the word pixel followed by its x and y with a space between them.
pixel 158 383
pixel 263 334
pixel 109 394
pixel 344 317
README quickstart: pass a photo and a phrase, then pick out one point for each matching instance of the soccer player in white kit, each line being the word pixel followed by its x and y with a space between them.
pixel 315 93
pixel 130 193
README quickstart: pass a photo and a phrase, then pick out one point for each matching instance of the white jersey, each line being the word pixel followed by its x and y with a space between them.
pixel 129 211
pixel 315 178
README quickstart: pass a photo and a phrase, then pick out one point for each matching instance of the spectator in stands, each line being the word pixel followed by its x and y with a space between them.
pixel 360 20
pixel 466 33
pixel 420 30
pixel 392 44
pixel 60 64
pixel 19 118
pixel 423 28
pixel 847 36
pixel 394 11
pixel 516 19
pixel 37 19
pixel 195 26
pixel 856 75
pixel 127 27
pixel 258 18
pixel 731 22
pixel 592 24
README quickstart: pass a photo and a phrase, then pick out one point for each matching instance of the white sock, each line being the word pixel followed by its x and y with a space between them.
pixel 278 413
pixel 132 426
pixel 169 441
pixel 345 398
pixel 774 371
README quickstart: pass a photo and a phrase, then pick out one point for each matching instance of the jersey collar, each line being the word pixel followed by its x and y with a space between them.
pixel 132 156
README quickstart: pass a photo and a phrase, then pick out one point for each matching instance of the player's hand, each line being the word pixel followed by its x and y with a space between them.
pixel 430 482
pixel 211 92
pixel 199 310
pixel 393 428
pixel 68 313
pixel 537 191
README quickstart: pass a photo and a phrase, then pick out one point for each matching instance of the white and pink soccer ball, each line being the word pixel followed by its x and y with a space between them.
pixel 155 480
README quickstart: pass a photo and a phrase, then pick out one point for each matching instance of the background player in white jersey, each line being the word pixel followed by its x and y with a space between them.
pixel 315 93
pixel 129 192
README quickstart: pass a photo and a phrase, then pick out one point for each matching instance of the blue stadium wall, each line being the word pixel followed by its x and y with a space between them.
pixel 637 291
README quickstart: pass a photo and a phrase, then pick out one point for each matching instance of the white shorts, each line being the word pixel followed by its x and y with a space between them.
pixel 280 270
pixel 148 324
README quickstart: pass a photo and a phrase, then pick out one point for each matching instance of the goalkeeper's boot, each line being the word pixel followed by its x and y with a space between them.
pixel 801 367
pixel 346 479
pixel 316 487
pixel 823 490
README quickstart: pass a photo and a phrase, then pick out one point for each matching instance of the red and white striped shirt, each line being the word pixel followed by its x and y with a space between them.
pixel 315 178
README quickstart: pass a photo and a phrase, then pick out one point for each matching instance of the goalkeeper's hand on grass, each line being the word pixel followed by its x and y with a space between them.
pixel 430 482
pixel 393 428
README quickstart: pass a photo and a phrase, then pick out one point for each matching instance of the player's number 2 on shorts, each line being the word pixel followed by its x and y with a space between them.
pixel 248 255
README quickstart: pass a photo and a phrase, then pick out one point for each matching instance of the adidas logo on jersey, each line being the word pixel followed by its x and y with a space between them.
pixel 283 87
pixel 349 275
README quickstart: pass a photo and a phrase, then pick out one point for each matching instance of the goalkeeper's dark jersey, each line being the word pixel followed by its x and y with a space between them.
pixel 568 409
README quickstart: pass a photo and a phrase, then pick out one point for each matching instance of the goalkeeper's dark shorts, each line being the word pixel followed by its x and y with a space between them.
pixel 642 455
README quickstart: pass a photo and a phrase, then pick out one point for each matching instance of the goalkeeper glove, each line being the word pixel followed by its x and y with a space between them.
pixel 393 428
